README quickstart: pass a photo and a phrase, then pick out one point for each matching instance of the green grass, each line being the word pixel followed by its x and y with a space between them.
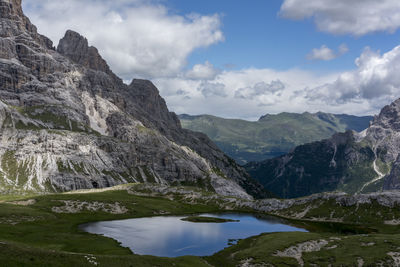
pixel 47 115
pixel 272 135
pixel 204 184
pixel 60 232
pixel 41 237
pixel 344 252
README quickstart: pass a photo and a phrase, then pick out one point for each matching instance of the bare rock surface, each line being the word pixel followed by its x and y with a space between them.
pixel 298 250
pixel 348 206
pixel 69 123
pixel 71 206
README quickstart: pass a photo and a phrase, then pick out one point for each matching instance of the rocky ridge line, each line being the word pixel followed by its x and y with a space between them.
pixel 68 122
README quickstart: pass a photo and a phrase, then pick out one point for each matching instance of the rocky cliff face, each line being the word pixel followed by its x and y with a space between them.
pixel 339 163
pixel 353 162
pixel 384 137
pixel 68 122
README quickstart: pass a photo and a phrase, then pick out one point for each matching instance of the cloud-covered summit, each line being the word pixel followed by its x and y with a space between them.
pixel 137 38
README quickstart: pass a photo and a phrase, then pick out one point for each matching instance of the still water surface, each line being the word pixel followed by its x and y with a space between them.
pixel 169 236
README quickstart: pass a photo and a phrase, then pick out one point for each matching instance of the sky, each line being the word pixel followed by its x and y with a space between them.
pixel 243 59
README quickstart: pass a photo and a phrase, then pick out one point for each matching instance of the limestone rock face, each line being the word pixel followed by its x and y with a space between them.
pixel 68 122
pixel 76 47
pixel 392 180
pixel 353 162
pixel 14 23
pixel 384 135
pixel 321 166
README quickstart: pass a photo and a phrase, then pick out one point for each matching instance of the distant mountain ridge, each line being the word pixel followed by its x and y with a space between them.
pixel 271 135
pixel 350 162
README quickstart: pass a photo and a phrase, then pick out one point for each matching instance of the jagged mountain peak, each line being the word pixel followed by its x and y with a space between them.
pixel 76 47
pixel 68 122
pixel 351 162
pixel 12 10
pixel 14 24
pixel 389 117
pixel 148 98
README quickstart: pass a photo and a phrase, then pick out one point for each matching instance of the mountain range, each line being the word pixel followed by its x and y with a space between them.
pixel 350 162
pixel 68 122
pixel 271 135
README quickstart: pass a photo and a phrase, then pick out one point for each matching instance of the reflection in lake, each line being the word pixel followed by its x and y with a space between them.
pixel 169 236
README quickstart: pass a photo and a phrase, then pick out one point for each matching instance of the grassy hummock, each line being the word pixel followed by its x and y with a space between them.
pixel 206 219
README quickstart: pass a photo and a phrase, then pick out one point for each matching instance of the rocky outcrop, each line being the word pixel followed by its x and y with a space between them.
pixel 339 163
pixel 353 162
pixel 379 207
pixel 68 122
pixel 76 47
pixel 392 181
pixel 14 23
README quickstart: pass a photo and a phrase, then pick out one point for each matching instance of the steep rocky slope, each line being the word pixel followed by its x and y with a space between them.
pixel 350 162
pixel 68 122
pixel 271 135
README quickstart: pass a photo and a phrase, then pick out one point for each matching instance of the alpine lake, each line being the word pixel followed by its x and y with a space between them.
pixel 199 235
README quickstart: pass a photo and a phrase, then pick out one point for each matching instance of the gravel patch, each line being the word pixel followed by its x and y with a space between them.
pixel 74 206
pixel 298 250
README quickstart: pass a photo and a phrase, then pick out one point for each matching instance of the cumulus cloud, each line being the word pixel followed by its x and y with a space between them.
pixel 376 79
pixel 137 38
pixel 355 17
pixel 212 89
pixel 326 54
pixel 260 89
pixel 202 71
pixel 249 93
pixel 322 53
pixel 156 44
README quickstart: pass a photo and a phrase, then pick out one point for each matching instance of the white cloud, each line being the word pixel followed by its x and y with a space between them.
pixel 322 53
pixel 250 93
pixel 343 49
pixel 326 54
pixel 137 38
pixel 376 80
pixel 157 43
pixel 209 89
pixel 202 71
pixel 355 17
pixel 260 89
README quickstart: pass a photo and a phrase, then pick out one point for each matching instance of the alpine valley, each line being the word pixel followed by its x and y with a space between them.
pixel 78 146
pixel 271 135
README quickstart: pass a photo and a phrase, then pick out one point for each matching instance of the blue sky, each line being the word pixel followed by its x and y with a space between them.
pixel 243 59
pixel 256 36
